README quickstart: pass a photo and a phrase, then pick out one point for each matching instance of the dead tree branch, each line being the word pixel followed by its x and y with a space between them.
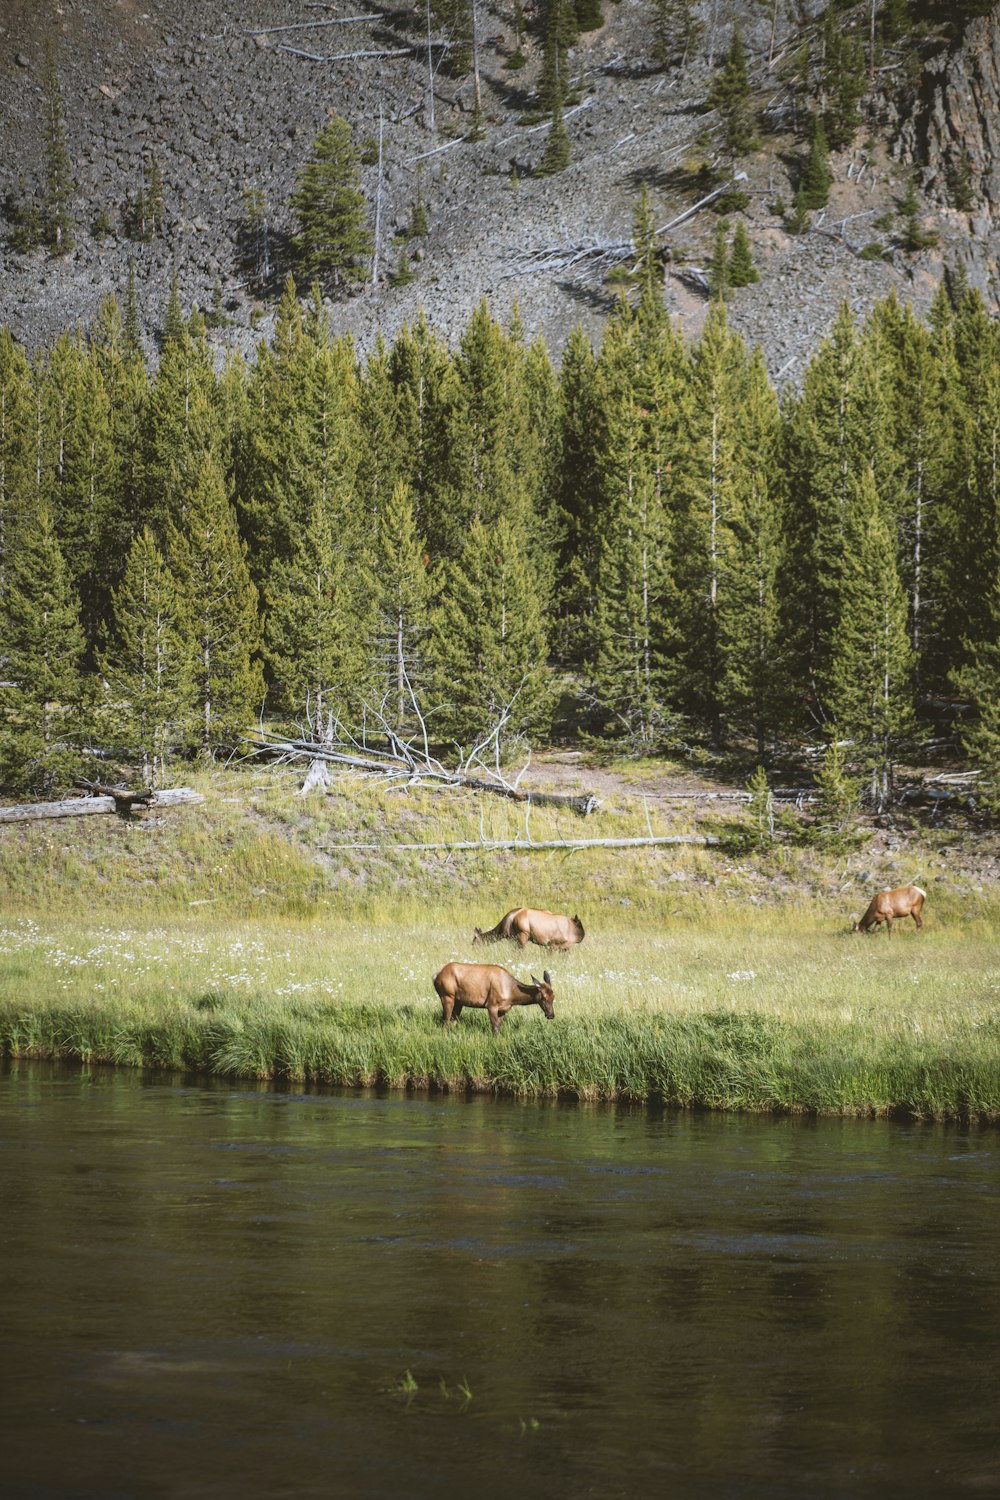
pixel 408 761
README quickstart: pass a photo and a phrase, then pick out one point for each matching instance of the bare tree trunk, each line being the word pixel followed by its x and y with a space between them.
pixel 430 72
pixel 378 200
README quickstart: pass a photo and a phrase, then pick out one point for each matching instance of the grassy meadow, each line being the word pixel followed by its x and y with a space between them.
pixel 236 939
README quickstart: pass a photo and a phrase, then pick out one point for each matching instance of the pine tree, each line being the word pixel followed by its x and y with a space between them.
pixel 559 36
pixel 741 269
pixel 57 219
pixel 728 538
pixel 630 636
pixel 405 591
pixel 814 188
pixel 843 80
pixel 677 31
pixel 79 474
pixel 41 644
pixel 761 808
pixel 913 237
pixel 217 611
pixel 718 266
pixel 182 423
pixel 333 238
pixel 834 431
pixel 428 398
pixel 839 795
pixel 870 691
pixel 628 679
pixel 922 387
pixel 144 665
pixel 748 614
pixel 730 95
pixel 979 682
pixel 455 19
pixel 173 321
pixel 382 457
pixel 556 156
pixel 588 15
pixel 132 325
pixel 319 628
pixel 490 445
pixel 575 492
pixel 488 643
pixel 647 271
pixel 18 452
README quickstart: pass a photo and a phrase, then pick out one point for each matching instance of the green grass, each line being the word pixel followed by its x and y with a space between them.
pixel 237 938
pixel 729 1017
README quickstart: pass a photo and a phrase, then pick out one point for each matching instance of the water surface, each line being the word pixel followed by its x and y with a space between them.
pixel 217 1291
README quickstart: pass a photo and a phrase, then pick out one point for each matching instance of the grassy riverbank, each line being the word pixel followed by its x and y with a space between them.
pixel 730 1018
pixel 235 939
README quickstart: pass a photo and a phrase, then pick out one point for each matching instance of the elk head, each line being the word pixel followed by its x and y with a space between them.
pixel 543 987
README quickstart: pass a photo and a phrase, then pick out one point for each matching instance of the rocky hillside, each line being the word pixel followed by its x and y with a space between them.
pixel 215 90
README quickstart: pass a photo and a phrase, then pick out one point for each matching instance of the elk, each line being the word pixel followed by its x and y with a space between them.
pixel 905 901
pixel 525 925
pixel 491 988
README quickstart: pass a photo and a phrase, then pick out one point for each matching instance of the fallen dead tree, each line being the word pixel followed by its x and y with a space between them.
pixel 380 750
pixel 528 845
pixel 118 800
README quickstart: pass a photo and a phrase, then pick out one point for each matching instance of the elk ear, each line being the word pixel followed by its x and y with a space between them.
pixel 535 979
pixel 547 977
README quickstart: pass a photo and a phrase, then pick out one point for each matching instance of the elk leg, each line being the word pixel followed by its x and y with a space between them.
pixel 888 925
pixel 496 1020
pixel 456 1014
pixel 523 940
pixel 446 1006
pixel 918 919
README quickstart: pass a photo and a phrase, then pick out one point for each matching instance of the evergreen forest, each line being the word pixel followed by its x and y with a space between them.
pixel 648 547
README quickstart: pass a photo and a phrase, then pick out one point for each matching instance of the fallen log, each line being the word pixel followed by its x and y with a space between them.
pixel 424 772
pixel 529 845
pixel 76 807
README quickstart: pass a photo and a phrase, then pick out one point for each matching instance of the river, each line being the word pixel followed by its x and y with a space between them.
pixel 214 1290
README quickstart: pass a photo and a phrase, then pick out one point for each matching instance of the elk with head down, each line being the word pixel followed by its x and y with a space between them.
pixel 491 988
pixel 526 925
pixel 905 901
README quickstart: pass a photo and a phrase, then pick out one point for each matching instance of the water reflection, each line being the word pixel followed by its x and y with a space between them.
pixel 217 1291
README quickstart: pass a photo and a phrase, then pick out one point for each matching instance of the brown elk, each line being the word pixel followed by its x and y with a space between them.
pixel 906 901
pixel 525 925
pixel 489 987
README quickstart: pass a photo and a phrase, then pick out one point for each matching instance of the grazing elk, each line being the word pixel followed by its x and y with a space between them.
pixel 489 987
pixel 524 925
pixel 906 901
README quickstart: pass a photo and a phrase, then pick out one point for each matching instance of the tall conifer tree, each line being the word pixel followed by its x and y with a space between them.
pixel 334 241
pixel 870 691
pixel 41 646
pixel 405 591
pixel 18 471
pixel 217 610
pixel 489 643
pixel 145 664
pixel 319 627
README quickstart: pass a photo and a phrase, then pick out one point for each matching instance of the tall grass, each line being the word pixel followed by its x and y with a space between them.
pixel 733 1015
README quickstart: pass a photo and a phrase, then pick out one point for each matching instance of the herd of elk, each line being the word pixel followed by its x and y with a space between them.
pixel 526 925
pixel 491 988
pixel 496 990
pixel 905 901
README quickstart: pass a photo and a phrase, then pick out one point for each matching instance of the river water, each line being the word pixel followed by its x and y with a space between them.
pixel 209 1290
